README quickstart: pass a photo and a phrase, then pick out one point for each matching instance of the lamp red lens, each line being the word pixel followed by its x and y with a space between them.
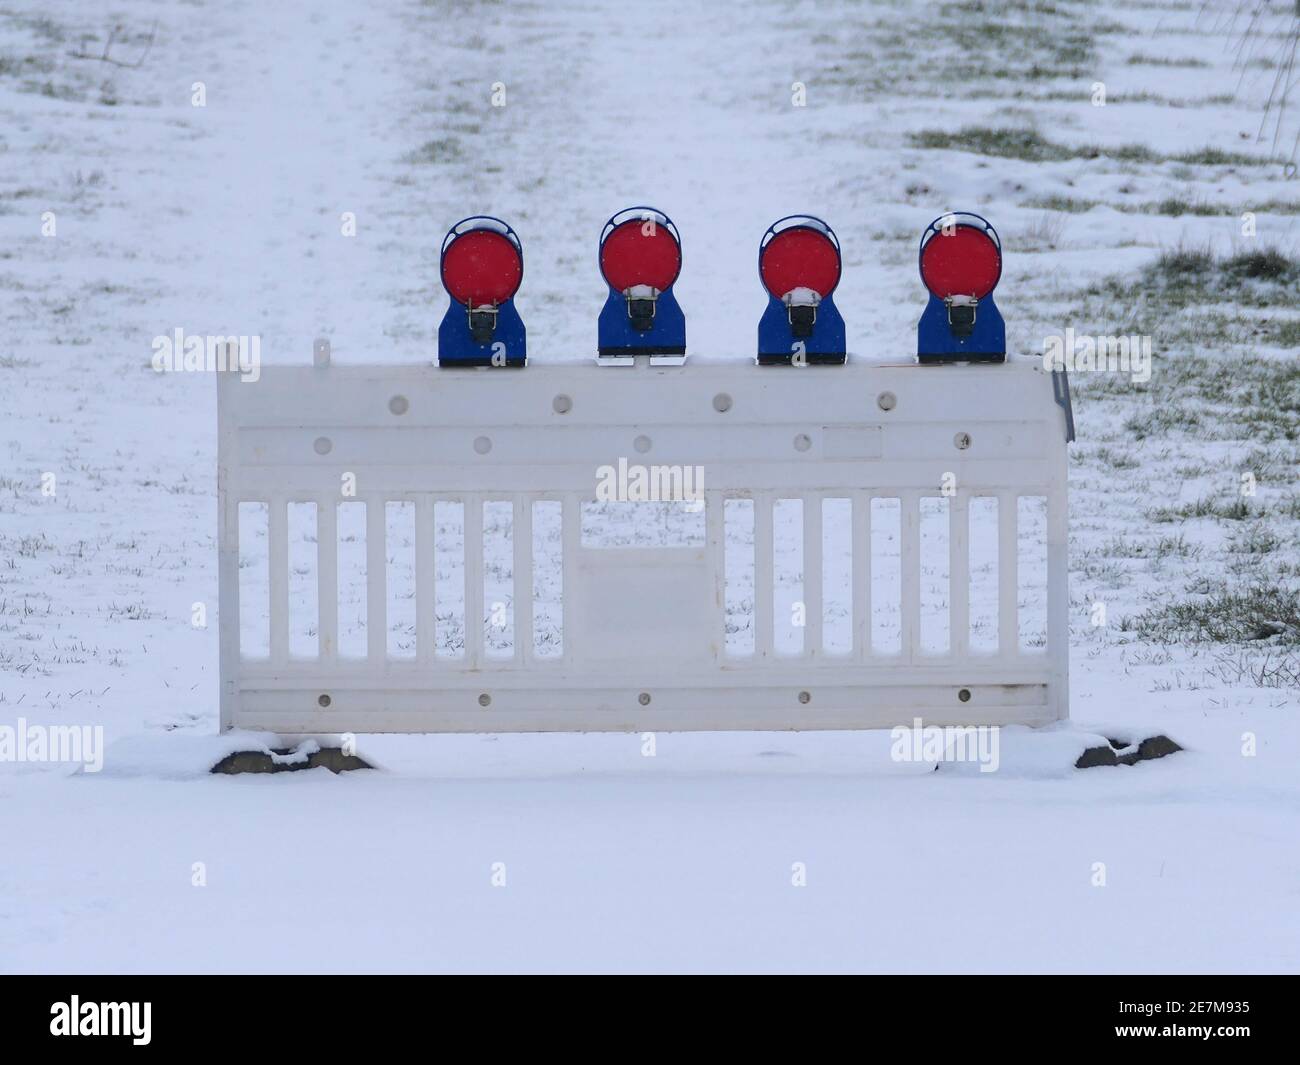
pixel 800 257
pixel 482 267
pixel 640 253
pixel 963 262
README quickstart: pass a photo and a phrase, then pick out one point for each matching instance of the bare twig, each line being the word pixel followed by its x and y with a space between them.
pixel 106 56
pixel 1251 42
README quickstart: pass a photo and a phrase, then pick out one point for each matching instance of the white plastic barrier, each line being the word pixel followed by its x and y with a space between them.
pixel 644 629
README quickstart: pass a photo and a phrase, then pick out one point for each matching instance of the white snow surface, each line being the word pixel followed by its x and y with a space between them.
pixel 226 219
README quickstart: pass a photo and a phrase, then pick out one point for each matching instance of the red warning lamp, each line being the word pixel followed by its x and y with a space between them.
pixel 482 266
pixel 637 253
pixel 961 263
pixel 802 257
pixel 640 259
pixel 966 262
pixel 799 263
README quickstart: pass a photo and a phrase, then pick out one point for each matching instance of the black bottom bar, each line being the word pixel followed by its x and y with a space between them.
pixel 787 359
pixel 1031 1013
pixel 656 350
pixel 478 363
pixel 973 357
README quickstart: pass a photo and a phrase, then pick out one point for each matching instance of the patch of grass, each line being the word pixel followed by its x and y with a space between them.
pixel 1265 264
pixel 54 92
pixel 1074 96
pixel 1170 207
pixel 443 150
pixel 1173 207
pixel 1261 611
pixel 1106 572
pixel 1004 142
pixel 1194 276
pixel 1269 207
pixel 1064 204
pixel 1256 539
pixel 1284 334
pixel 1164 547
pixel 1211 156
pixel 1117 460
pixel 1178 264
pixel 1265 462
pixel 1141 60
pixel 966 43
pixel 1043 232
pixel 130 612
pixel 1237 510
pixel 1010 142
pixel 1263 394
pixel 46 28
pixel 1160 421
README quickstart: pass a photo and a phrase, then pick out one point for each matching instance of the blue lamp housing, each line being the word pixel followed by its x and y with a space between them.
pixel 640 258
pixel 960 260
pixel 482 266
pixel 799 264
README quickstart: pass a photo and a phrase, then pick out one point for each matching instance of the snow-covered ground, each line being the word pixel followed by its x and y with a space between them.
pixel 227 219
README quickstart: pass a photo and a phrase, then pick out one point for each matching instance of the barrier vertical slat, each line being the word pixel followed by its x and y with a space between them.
pixel 327 578
pixel 228 550
pixel 228 591
pixel 376 580
pixel 959 575
pixel 277 537
pixel 521 532
pixel 861 559
pixel 764 575
pixel 570 542
pixel 1008 576
pixel 1058 590
pixel 473 581
pixel 813 575
pixel 425 571
pixel 909 556
pixel 715 541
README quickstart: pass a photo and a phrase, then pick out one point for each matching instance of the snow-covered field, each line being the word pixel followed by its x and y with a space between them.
pixel 127 212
